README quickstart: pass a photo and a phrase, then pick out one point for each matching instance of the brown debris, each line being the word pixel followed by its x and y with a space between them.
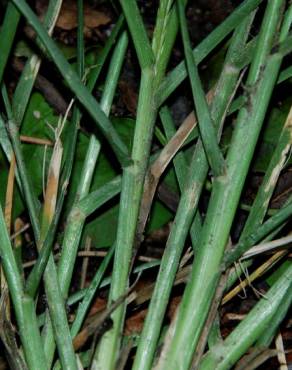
pixel 68 15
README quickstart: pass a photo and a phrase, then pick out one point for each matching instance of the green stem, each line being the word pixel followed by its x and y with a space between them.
pixel 8 149
pixel 26 82
pixel 185 331
pixel 30 197
pixel 55 301
pixel 175 77
pixel 74 82
pixel 179 161
pixel 80 294
pixel 90 293
pixel 113 73
pixel 80 39
pixel 76 220
pixel 69 151
pixel 97 198
pixel 70 143
pixel 265 192
pixel 267 337
pixel 277 162
pixel 85 206
pixel 164 34
pixel 257 235
pixel 133 178
pixel 19 105
pixel 95 72
pixel 180 166
pixel 7 34
pixel 30 336
pixel 187 208
pixel 23 305
pixel 224 356
pixel 58 318
pixel 254 358
pixel 56 304
pixel 130 200
pixel 132 184
pixel 76 217
pixel 207 129
pixel 138 32
pixel 260 205
pixel 36 274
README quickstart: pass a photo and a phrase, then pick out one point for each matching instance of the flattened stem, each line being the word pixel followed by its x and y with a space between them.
pixel 132 184
pixel 206 126
pixel 195 180
pixel 185 331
